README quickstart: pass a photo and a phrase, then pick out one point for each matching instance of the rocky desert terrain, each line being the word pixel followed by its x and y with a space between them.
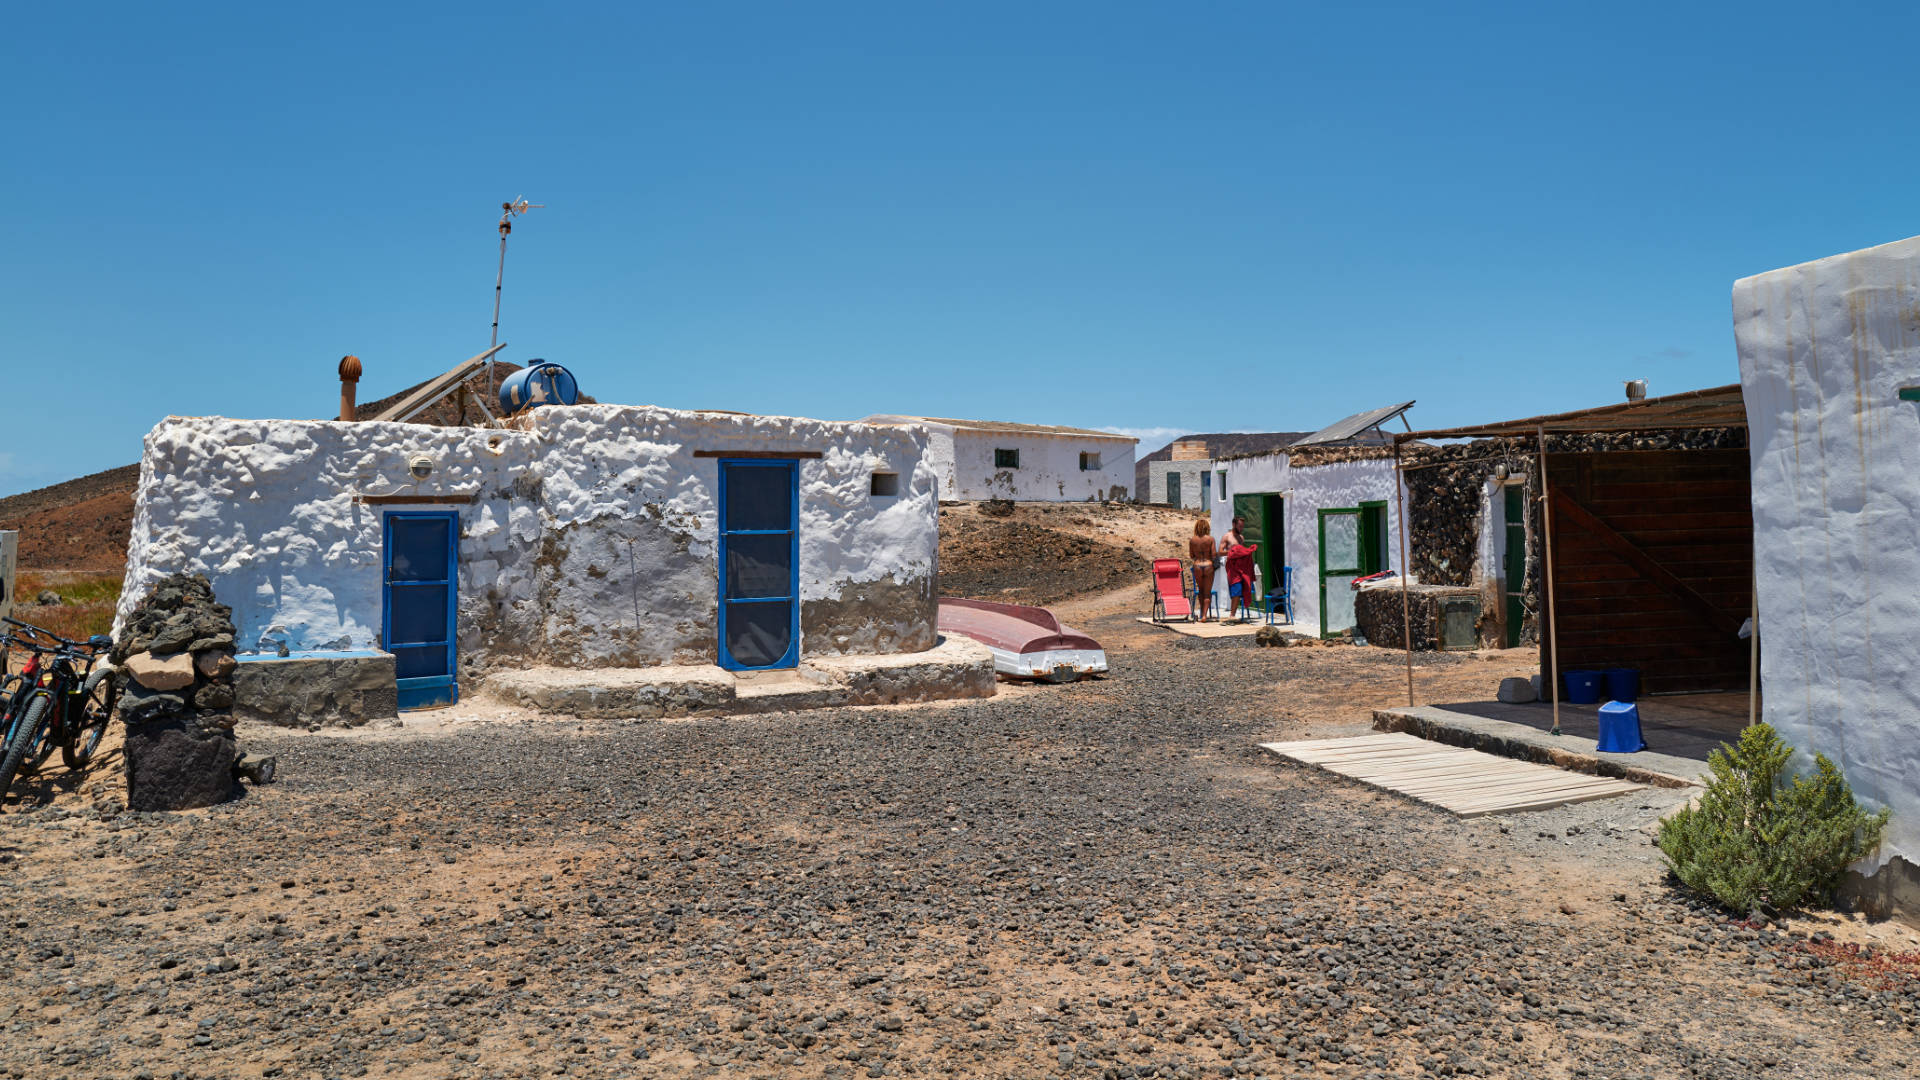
pixel 1106 879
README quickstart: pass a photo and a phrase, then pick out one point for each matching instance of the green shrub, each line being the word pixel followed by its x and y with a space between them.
pixel 1754 836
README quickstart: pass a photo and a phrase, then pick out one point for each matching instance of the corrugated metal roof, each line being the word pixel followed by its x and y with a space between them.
pixel 1342 430
pixel 995 426
pixel 1718 407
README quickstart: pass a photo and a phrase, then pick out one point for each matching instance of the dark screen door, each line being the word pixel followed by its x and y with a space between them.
pixel 419 592
pixel 759 565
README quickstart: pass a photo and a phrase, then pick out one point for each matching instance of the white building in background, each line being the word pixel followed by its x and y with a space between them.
pixel 987 459
pixel 1830 369
pixel 1329 513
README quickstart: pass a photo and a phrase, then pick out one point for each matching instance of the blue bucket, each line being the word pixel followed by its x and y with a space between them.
pixel 1623 683
pixel 1583 687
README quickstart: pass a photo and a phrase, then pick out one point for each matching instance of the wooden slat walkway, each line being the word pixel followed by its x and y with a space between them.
pixel 1465 782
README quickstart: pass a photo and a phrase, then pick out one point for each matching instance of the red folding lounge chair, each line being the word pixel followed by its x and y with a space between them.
pixel 1170 591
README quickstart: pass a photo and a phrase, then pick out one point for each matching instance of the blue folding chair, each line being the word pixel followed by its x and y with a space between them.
pixel 1282 600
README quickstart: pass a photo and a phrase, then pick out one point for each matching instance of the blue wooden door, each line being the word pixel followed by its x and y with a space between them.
pixel 759 565
pixel 417 629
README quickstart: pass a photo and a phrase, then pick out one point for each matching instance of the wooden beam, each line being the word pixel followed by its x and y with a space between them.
pixel 438 387
pixel 457 497
pixel 770 455
pixel 1649 567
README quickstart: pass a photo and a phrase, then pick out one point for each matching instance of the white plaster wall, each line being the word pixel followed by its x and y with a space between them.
pixel 1824 349
pixel 1490 563
pixel 1308 490
pixel 939 458
pixel 592 537
pixel 265 509
pixel 1049 467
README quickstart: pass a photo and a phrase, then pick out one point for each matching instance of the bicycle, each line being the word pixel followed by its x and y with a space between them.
pixel 10 683
pixel 65 698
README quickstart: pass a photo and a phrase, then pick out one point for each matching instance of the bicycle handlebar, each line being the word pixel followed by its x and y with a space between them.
pixel 44 633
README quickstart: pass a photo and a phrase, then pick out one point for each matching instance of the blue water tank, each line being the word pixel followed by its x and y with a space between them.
pixel 539 383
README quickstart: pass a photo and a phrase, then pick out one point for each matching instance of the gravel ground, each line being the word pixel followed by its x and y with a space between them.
pixel 1098 880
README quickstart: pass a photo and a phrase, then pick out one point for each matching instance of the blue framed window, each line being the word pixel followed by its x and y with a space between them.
pixel 759 564
pixel 420 596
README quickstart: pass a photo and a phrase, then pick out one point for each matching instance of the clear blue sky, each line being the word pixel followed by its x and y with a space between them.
pixel 1155 217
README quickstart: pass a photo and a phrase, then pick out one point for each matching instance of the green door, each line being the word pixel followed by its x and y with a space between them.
pixel 1353 544
pixel 1252 508
pixel 1173 490
pixel 1341 560
pixel 1273 554
pixel 1515 572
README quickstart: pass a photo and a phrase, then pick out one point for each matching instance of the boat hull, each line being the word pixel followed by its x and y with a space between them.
pixel 1026 642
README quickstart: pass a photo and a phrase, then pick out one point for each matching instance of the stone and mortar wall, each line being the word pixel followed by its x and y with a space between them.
pixel 1825 349
pixel 590 538
pixel 1049 467
pixel 1190 473
pixel 1384 616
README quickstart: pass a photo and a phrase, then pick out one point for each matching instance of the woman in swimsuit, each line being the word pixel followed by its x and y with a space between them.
pixel 1200 549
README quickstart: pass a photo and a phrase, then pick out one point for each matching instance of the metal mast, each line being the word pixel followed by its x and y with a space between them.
pixel 507 212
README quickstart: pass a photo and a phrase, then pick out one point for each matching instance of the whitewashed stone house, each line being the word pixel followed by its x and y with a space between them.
pixel 986 459
pixel 1330 514
pixel 580 536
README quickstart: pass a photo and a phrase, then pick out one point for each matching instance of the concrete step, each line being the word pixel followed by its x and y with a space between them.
pixel 954 668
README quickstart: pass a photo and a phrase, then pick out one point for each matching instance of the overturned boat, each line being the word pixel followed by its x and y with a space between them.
pixel 1027 642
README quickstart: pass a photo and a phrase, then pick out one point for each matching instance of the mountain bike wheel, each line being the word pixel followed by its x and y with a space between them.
pixel 43 741
pixel 9 686
pixel 97 699
pixel 31 729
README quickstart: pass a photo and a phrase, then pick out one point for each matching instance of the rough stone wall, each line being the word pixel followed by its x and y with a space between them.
pixel 1447 504
pixel 1382 615
pixel 588 538
pixel 1304 456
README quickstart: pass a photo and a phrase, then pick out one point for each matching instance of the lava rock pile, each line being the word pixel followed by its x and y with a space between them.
pixel 177 651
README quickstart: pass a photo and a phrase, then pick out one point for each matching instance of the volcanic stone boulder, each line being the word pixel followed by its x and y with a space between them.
pixel 177 648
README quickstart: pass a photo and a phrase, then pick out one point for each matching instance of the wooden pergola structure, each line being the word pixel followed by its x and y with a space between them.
pixel 1666 524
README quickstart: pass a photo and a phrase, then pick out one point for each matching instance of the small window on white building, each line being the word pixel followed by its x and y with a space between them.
pixel 884 483
pixel 1089 462
pixel 1006 459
